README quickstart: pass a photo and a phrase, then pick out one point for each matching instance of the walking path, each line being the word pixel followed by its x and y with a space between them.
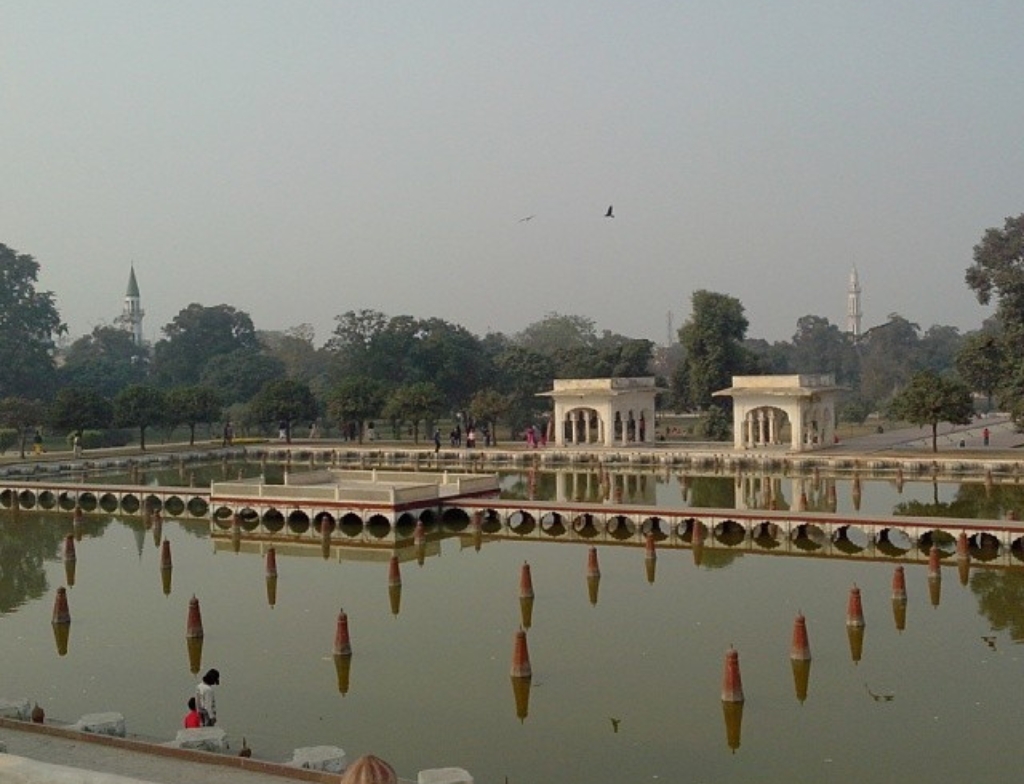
pixel 45 754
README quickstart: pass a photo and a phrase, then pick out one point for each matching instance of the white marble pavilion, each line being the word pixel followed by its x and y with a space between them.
pixel 766 407
pixel 603 411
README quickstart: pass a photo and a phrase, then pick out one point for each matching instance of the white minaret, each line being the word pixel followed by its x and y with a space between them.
pixel 132 314
pixel 853 312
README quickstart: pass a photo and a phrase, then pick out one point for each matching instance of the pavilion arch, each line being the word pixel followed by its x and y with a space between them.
pixel 350 524
pixel 174 506
pixel 273 520
pixel 298 521
pixel 621 527
pixel 491 522
pixel 521 522
pixel 197 507
pixel 552 523
pixel 455 519
pixel 604 411
pixel 378 526
pixel 657 527
pixel 323 523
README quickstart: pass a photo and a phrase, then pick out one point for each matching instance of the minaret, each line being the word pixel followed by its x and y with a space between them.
pixel 853 313
pixel 132 314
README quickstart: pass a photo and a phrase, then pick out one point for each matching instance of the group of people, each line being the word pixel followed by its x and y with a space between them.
pixel 202 708
pixel 536 437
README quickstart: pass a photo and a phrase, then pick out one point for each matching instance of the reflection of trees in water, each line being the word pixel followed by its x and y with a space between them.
pixel 1000 595
pixel 26 543
pixel 712 492
pixel 972 502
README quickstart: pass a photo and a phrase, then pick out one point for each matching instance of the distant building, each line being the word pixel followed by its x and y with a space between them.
pixel 131 315
pixel 853 311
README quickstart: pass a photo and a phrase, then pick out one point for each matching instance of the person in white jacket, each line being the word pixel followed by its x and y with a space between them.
pixel 206 700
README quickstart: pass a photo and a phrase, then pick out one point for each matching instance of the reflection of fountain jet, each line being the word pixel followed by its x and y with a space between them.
pixel 963 558
pixel 934 575
pixel 650 557
pixel 521 675
pixel 526 610
pixel 899 598
pixel 800 657
pixel 158 530
pixel 856 493
pixel 69 571
pixel 732 698
pixel 732 712
pixel 165 566
pixel 195 654
pixel 395 598
pixel 343 669
pixel 61 621
pixel 855 635
pixel 801 677
pixel 697 542
pixel 194 635
pixel 593 575
pixel 140 539
pixel 272 590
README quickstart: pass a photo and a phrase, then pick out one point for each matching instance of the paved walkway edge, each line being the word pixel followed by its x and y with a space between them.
pixel 184 755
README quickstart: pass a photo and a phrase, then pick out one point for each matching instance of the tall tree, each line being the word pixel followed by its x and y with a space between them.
pixel 713 341
pixel 190 406
pixel 489 405
pixel 998 271
pixel 819 346
pixel 556 332
pixel 23 416
pixel 981 362
pixel 284 401
pixel 29 322
pixel 80 408
pixel 929 399
pixel 414 403
pixel 197 335
pixel 139 406
pixel 238 376
pixel 106 360
pixel 889 356
pixel 356 399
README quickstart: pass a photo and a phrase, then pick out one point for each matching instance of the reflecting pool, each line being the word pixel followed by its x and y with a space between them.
pixel 627 667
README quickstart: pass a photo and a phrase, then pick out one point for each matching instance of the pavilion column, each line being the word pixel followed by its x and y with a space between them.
pixel 772 427
pixel 586 427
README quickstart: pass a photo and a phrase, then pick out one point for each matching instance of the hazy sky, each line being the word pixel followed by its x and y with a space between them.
pixel 301 159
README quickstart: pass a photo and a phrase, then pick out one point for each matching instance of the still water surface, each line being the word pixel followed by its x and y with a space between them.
pixel 626 689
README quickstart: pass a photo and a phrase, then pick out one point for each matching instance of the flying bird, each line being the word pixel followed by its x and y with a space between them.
pixel 989 640
pixel 528 217
pixel 615 723
pixel 609 214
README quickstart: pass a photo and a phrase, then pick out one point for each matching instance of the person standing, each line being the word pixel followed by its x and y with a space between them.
pixel 437 440
pixel 206 699
pixel 37 442
pixel 76 444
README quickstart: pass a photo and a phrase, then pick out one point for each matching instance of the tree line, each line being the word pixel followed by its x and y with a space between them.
pixel 212 365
